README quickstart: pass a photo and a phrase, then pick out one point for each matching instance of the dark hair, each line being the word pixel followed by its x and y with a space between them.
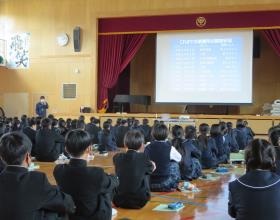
pixel 109 120
pixel 106 128
pixel 13 148
pixel 178 135
pixel 77 141
pixel 42 97
pixel 46 122
pixel 134 139
pixel 92 119
pixel 123 122
pixel 50 116
pixel 145 121
pixel 274 137
pixel 54 122
pixel 74 124
pixel 81 124
pixel 215 130
pixel 203 138
pixel 240 123
pixel 160 132
pixel 229 125
pixel 61 123
pixel 32 122
pixel 81 118
pixel 223 127
pixel 118 122
pixel 259 154
pixel 190 132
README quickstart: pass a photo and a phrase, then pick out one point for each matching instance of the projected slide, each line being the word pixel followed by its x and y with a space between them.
pixel 204 67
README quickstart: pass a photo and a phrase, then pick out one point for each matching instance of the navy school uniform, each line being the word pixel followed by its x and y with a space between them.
pixel 93 130
pixel 255 195
pixel 190 166
pixel 167 174
pixel 106 142
pixel 277 151
pixel 242 139
pixel 209 154
pixel 133 170
pixel 119 135
pixel 233 145
pixel 222 149
pixel 146 129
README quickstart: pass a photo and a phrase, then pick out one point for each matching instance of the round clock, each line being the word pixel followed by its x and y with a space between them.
pixel 62 39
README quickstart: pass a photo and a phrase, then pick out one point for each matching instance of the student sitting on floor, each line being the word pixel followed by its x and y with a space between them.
pixel 222 150
pixel 241 133
pixel 226 139
pixel 233 145
pixel 120 133
pixel 106 139
pixel 207 147
pixel 274 137
pixel 190 134
pixel 27 195
pixel 167 174
pixel 49 144
pixel 93 129
pixel 256 194
pixel 90 187
pixel 146 129
pixel 133 169
pixel 190 167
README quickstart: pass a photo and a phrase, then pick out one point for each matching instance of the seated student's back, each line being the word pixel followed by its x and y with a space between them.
pixel 241 134
pixel 120 133
pixel 106 139
pixel 222 150
pixel 27 195
pixel 167 174
pixel 90 187
pixel 190 166
pixel 133 169
pixel 274 137
pixel 49 144
pixel 207 147
pixel 256 194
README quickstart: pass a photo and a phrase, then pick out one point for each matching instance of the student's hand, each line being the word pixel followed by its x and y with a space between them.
pixel 154 165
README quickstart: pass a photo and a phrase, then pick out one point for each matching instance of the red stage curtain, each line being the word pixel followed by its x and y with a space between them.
pixel 114 53
pixel 273 38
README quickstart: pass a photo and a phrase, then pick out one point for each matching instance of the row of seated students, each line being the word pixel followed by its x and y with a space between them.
pixel 166 165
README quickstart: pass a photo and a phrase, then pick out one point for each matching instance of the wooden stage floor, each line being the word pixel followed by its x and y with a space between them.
pixel 208 204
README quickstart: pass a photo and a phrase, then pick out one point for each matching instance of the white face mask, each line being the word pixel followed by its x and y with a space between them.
pixel 42 100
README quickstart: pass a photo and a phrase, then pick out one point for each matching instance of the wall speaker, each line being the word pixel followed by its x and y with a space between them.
pixel 257 47
pixel 77 39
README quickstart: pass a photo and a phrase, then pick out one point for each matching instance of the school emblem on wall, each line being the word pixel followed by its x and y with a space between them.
pixel 18 51
pixel 200 21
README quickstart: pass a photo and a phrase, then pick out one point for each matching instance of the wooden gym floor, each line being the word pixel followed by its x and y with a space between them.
pixel 209 204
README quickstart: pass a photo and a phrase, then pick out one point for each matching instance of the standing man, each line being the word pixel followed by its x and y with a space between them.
pixel 41 107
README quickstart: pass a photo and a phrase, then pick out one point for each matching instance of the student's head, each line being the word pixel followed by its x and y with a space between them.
pixel 134 140
pixel 124 122
pixel 32 122
pixel 160 132
pixel 118 122
pixel 23 118
pixel 204 129
pixel 81 118
pixel 92 119
pixel 106 127
pixel 96 121
pixel 190 132
pixel 177 132
pixel 136 123
pixel 78 143
pixel 215 130
pixel 145 121
pixel 42 98
pixel 61 123
pixel 245 123
pixel 240 123
pixel 81 124
pixel 54 123
pixel 74 124
pixel 229 125
pixel 51 117
pixel 259 154
pixel 15 149
pixel 110 121
pixel 274 137
pixel 46 123
pixel 223 126
pixel 156 122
